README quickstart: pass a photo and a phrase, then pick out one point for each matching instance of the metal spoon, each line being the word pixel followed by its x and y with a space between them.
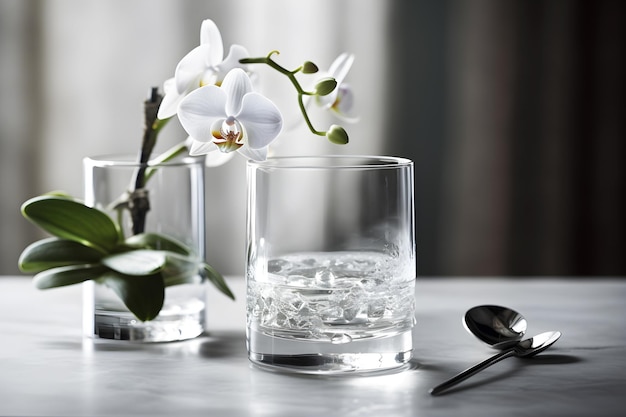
pixel 524 349
pixel 499 327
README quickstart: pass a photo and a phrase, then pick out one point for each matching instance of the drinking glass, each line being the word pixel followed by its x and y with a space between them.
pixel 331 263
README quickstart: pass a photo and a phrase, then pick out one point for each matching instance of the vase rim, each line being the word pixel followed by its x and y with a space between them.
pixel 332 162
pixel 130 160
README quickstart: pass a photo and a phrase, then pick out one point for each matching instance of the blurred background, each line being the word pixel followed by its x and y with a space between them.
pixel 513 112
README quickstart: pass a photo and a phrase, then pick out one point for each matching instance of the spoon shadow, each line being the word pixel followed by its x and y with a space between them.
pixel 552 359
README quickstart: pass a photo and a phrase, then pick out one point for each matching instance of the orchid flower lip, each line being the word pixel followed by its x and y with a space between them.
pixel 227 134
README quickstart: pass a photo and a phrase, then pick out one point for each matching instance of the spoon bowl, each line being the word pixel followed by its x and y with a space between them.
pixel 500 327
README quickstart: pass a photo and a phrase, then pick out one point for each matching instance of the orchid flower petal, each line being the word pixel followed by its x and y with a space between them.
pixel 197 147
pixel 338 70
pixel 171 99
pixel 341 66
pixel 213 158
pixel 191 67
pixel 261 119
pixel 200 109
pixel 211 37
pixel 231 61
pixel 345 103
pixel 236 85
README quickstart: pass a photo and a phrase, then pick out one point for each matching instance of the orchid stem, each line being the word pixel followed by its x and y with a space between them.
pixel 292 77
pixel 165 157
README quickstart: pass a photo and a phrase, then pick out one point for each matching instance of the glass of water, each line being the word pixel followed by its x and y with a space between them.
pixel 330 263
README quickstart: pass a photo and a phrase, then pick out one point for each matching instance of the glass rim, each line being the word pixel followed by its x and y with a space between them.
pixel 130 160
pixel 332 162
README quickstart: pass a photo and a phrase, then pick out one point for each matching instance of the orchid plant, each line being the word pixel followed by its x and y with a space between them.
pixel 214 99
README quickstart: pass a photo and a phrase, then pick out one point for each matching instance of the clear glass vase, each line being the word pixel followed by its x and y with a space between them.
pixel 175 192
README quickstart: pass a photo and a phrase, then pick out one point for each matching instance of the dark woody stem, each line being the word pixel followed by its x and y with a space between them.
pixel 139 202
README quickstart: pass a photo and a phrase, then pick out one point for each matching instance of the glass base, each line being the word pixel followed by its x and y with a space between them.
pixel 121 326
pixel 324 358
pixel 182 317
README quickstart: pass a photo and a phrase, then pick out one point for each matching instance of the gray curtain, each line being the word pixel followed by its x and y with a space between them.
pixel 513 112
pixel 20 114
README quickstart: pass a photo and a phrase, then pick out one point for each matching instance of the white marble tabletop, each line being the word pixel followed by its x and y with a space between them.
pixel 48 369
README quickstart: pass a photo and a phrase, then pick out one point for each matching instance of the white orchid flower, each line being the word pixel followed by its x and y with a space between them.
pixel 230 118
pixel 341 99
pixel 203 65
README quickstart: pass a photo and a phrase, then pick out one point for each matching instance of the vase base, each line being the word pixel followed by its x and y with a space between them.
pixel 120 326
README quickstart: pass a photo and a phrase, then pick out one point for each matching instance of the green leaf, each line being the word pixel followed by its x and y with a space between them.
pixel 67 275
pixel 136 262
pixel 157 242
pixel 218 280
pixel 181 270
pixel 142 295
pixel 70 219
pixel 54 252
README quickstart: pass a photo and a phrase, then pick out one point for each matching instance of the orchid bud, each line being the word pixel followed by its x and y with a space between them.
pixel 309 68
pixel 325 86
pixel 337 135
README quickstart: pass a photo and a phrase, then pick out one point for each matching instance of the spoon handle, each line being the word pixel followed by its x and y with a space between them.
pixel 471 371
